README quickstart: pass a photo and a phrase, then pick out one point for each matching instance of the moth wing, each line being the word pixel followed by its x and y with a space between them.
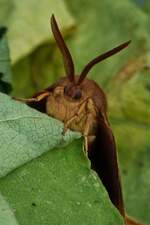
pixel 103 156
pixel 39 99
pixel 132 221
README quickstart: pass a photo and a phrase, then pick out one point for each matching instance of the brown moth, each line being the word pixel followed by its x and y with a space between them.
pixel 81 104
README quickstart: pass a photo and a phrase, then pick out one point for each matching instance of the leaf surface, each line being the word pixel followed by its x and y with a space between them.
pixel 59 188
pixel 26 133
pixel 6 214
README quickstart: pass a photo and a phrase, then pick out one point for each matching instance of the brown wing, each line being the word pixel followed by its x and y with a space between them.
pixel 132 221
pixel 103 156
pixel 39 99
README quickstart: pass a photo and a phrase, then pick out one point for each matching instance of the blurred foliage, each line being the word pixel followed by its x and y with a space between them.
pixel 90 28
pixel 5 69
pixel 28 23
pixel 28 28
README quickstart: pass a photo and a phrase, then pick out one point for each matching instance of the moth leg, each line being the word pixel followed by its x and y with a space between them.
pixel 87 130
pixel 34 99
pixel 74 117
pixel 131 221
pixel 68 122
pixel 88 138
pixel 89 123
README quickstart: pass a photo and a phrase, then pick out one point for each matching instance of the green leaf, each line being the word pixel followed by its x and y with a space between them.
pixel 59 188
pixel 6 214
pixel 5 71
pixel 29 23
pixel 26 133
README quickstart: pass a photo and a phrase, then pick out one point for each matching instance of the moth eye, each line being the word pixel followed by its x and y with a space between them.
pixel 77 95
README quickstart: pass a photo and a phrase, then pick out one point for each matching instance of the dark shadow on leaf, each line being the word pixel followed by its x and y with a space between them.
pixel 2 31
pixel 4 86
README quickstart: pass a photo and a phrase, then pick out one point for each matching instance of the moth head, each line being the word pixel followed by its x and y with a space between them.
pixel 73 88
pixel 73 91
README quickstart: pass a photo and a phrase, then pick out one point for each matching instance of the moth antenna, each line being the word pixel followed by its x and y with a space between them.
pixel 101 58
pixel 67 58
